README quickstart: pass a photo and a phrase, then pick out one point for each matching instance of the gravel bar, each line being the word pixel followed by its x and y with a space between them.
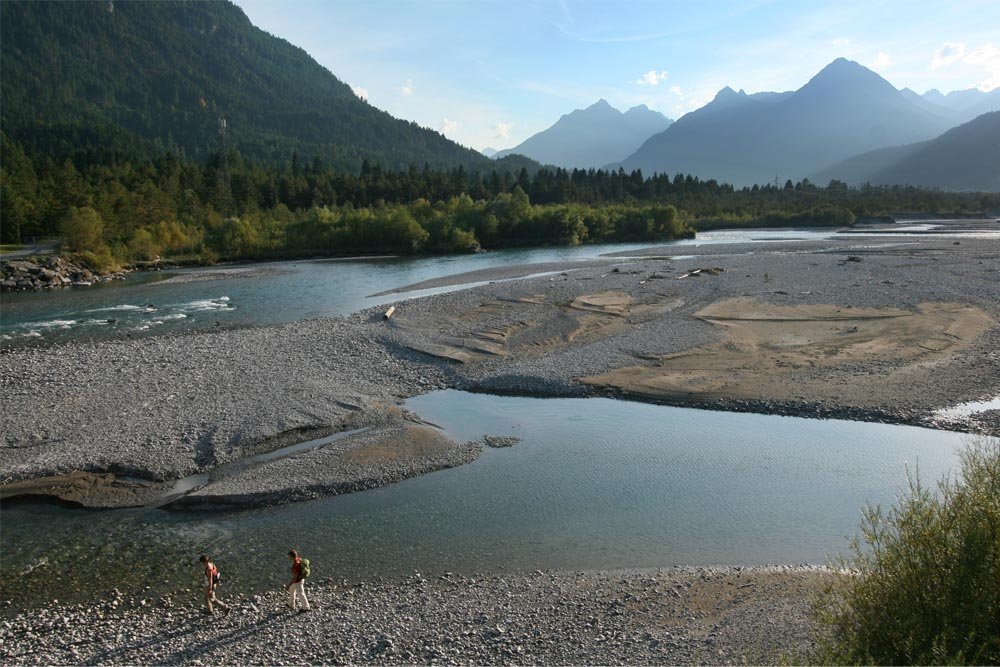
pixel 670 616
pixel 166 407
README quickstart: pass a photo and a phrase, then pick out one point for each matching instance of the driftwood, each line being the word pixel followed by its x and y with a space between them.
pixel 713 271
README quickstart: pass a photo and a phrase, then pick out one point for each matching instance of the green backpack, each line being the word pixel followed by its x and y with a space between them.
pixel 305 568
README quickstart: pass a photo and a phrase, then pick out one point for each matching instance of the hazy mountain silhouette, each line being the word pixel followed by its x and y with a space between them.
pixel 927 105
pixel 844 110
pixel 964 105
pixel 966 157
pixel 592 137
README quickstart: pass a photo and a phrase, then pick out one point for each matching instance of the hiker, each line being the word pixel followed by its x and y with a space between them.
pixel 212 578
pixel 297 586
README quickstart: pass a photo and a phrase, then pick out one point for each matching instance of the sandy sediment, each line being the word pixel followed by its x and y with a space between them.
pixel 391 446
pixel 767 346
pixel 97 490
pixel 670 616
pixel 846 328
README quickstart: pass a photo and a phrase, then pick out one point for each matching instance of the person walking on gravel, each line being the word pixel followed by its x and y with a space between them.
pixel 212 582
pixel 297 586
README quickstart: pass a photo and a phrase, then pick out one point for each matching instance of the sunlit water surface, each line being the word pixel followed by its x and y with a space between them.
pixel 594 483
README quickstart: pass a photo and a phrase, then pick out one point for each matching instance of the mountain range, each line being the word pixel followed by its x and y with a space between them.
pixel 591 137
pixel 99 79
pixel 966 157
pixel 844 110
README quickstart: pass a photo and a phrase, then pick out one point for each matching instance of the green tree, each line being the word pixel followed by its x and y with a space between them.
pixel 82 230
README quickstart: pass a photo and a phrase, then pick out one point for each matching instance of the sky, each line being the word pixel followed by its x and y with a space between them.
pixel 488 73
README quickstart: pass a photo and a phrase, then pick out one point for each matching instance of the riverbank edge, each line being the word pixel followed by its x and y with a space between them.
pixel 116 489
pixel 392 357
pixel 670 615
pixel 196 262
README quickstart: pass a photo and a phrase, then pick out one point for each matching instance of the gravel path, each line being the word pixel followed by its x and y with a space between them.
pixel 672 616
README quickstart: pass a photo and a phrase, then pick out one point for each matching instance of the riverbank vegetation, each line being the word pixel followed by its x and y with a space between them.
pixel 120 211
pixel 922 587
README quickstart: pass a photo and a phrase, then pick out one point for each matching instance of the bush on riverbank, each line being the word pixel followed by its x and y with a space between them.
pixel 820 216
pixel 456 225
pixel 923 586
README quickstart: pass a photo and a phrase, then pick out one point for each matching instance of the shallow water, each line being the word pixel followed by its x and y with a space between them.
pixel 144 304
pixel 595 483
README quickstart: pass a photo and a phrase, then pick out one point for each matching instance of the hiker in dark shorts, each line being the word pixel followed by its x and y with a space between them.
pixel 212 582
pixel 297 586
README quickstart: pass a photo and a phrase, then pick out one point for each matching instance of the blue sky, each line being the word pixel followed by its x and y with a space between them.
pixel 493 73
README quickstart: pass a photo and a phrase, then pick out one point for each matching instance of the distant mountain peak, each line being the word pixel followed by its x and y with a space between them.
pixel 845 109
pixel 592 137
pixel 727 93
pixel 844 76
pixel 842 67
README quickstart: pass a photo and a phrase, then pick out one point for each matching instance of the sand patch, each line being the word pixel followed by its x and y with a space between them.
pixel 526 325
pixel 771 350
pixel 606 303
pixel 87 489
pixel 415 442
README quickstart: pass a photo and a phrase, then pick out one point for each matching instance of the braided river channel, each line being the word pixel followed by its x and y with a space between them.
pixel 593 483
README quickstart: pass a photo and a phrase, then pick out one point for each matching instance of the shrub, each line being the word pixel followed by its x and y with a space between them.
pixel 923 586
pixel 101 261
pixel 82 230
pixel 143 245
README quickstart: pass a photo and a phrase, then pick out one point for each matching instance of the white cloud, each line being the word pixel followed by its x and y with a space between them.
pixel 501 130
pixel 841 41
pixel 406 89
pixel 697 101
pixel 983 63
pixel 676 90
pixel 360 92
pixel 988 58
pixel 651 78
pixel 881 61
pixel 949 53
pixel 448 126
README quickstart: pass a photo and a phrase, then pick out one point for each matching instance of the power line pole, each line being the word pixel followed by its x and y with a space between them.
pixel 224 184
pixel 223 151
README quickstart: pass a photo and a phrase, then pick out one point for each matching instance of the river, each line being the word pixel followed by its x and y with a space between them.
pixel 149 304
pixel 594 483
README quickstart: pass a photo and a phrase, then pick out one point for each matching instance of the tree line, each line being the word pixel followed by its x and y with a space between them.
pixel 228 207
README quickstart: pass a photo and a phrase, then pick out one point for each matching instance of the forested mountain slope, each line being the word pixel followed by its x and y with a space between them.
pixel 101 79
pixel 966 157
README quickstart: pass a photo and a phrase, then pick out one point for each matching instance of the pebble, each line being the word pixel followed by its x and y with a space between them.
pixel 489 619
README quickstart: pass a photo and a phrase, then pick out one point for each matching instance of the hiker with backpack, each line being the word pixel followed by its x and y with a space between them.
pixel 296 587
pixel 212 577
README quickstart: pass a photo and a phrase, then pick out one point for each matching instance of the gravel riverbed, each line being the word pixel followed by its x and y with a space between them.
pixel 161 408
pixel 165 407
pixel 670 616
